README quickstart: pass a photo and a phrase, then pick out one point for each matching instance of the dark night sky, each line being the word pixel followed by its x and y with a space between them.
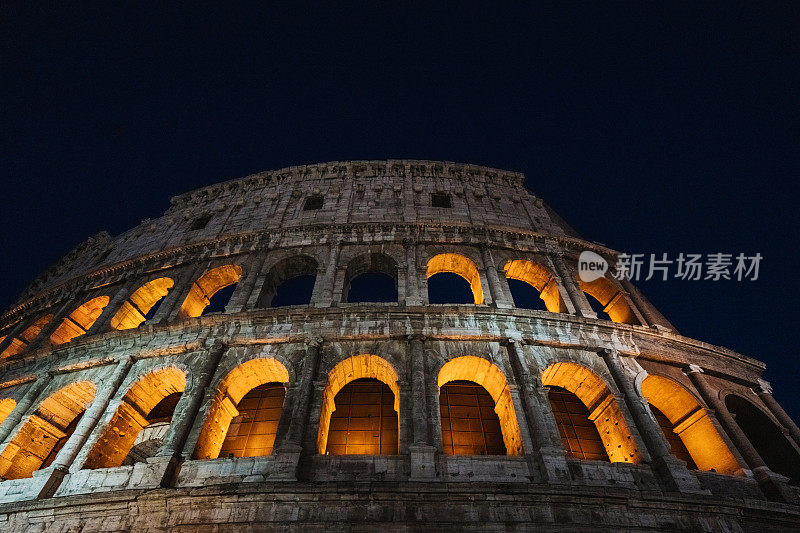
pixel 649 127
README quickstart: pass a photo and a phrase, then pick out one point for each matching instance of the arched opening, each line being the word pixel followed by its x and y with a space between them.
pixel 676 445
pixel 142 304
pixel 19 343
pixel 610 299
pixel 46 431
pixel 470 425
pixel 479 371
pixel 364 421
pixel 689 422
pixel 371 278
pixel 459 265
pixel 79 321
pixel 766 437
pixel 603 410
pixel 141 406
pixel 6 406
pixel 351 369
pixel 290 282
pixel 579 435
pixel 524 275
pixel 242 420
pixel 199 300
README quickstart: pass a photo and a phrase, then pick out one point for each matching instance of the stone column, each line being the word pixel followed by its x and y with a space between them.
pixel 764 391
pixel 577 296
pixel 242 292
pixel 773 485
pixel 43 338
pixel 14 332
pixel 30 396
pixel 102 322
pixel 547 449
pixel 498 294
pixel 294 434
pixel 638 304
pixel 323 288
pixel 184 417
pixel 106 388
pixel 672 472
pixel 171 305
pixel 412 275
pixel 421 450
pixel 289 451
pixel 172 451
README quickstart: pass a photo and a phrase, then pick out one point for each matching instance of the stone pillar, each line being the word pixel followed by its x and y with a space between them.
pixel 289 451
pixel 421 450
pixel 577 296
pixel 294 434
pixel 242 292
pixel 413 296
pixel 14 332
pixel 43 338
pixel 547 449
pixel 764 391
pixel 184 417
pixel 30 396
pixel 639 305
pixel 672 472
pixel 258 284
pixel 773 485
pixel 171 305
pixel 323 288
pixel 172 449
pixel 61 465
pixel 102 322
pixel 499 297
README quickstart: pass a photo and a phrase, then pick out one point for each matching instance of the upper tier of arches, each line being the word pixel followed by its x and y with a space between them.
pixel 329 276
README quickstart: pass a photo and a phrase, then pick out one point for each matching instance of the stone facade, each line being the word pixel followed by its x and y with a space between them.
pixel 103 367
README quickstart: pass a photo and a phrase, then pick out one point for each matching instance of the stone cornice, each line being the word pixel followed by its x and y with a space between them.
pixel 181 336
pixel 355 169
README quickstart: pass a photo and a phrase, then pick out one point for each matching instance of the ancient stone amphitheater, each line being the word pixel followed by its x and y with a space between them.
pixel 292 350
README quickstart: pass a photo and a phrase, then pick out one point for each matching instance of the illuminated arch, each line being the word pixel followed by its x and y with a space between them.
pixel 47 428
pixel 603 409
pixel 79 321
pixel 26 337
pixel 460 265
pixel 6 406
pixel 230 392
pixel 283 271
pixel 539 278
pixel 491 378
pixel 119 435
pixel 206 286
pixel 352 368
pixel 611 298
pixel 134 311
pixel 691 423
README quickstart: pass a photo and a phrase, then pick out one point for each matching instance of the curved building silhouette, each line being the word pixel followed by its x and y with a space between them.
pixel 372 344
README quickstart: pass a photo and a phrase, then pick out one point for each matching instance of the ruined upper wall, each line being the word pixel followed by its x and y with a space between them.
pixel 393 191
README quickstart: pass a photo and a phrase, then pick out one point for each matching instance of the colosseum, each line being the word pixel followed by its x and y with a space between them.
pixel 403 345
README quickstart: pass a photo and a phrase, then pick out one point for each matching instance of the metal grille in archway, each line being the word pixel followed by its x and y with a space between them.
pixel 470 425
pixel 252 432
pixel 364 421
pixel 578 434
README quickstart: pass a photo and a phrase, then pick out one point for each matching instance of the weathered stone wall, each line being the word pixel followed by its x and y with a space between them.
pixel 373 213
